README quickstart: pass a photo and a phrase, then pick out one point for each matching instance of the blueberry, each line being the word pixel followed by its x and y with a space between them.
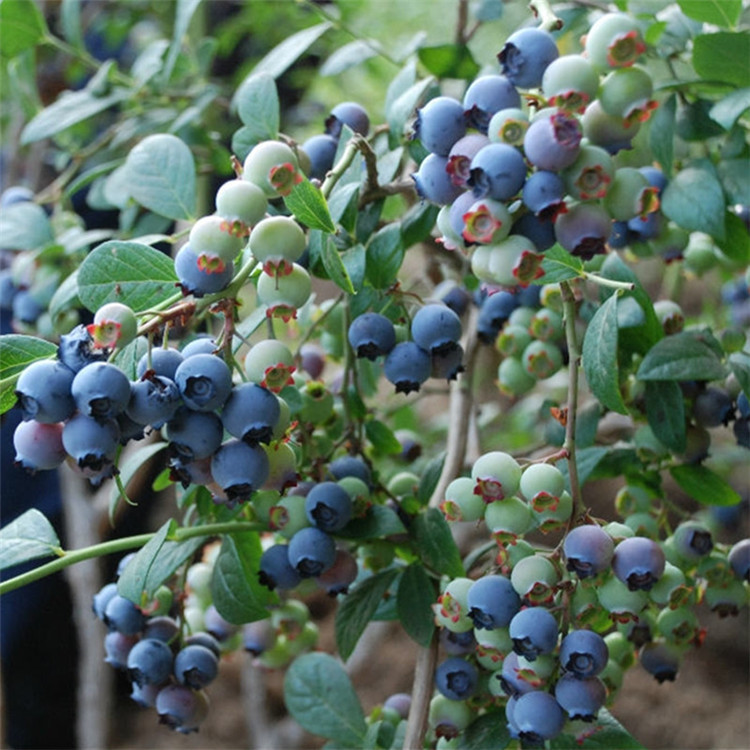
pixel 692 540
pixel 328 506
pixel 76 349
pixel 44 391
pixel 217 626
pixel 275 570
pixel 153 401
pixel 201 274
pixel 251 413
pixel 122 615
pixel 39 447
pixel 311 552
pixel 181 708
pixel 400 702
pixel 487 95
pixel 206 640
pixel 350 466
pixel 195 666
pixel 497 171
pixel 101 390
pixel 101 598
pixel 337 579
pixel 239 469
pixel 493 314
pixel 257 636
pixel 583 653
pixel 26 308
pixel 713 407
pixel 460 156
pixel 144 695
pixel 614 41
pixel 447 365
pixel 436 328
pixel 588 550
pixel 407 366
pixel 194 435
pixel 739 559
pixel 570 83
pixel 526 55
pixel 538 717
pixel 456 678
pixel 492 602
pixel 543 193
pixel 580 698
pixel 200 345
pixel 91 443
pixel 205 382
pixel 552 143
pixel 457 644
pixel 433 181
pixel 117 646
pixel 162 628
pixel 440 123
pixel 241 203
pixel 638 562
pixel 273 167
pixel 371 335
pixel 149 662
pixel 164 362
pixel 351 114
pixel 661 660
pixel 321 150
pixel 534 631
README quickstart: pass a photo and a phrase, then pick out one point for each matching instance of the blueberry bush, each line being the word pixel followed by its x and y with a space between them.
pixel 541 225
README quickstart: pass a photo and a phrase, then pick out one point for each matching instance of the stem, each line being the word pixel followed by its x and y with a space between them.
pixel 548 21
pixel 68 558
pixel 83 56
pixel 574 356
pixel 352 147
pixel 628 286
pixel 424 680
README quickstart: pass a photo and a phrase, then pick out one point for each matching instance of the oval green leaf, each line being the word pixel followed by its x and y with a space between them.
pixel 414 599
pixel 28 537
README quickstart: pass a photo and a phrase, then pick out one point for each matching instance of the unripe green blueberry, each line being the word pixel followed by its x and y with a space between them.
pixel 626 93
pixel 542 485
pixel 403 483
pixel 288 516
pixel 198 579
pixel 614 41
pixel 700 254
pixel 623 604
pixel 282 466
pixel 620 648
pixel 589 177
pixel 461 503
pixel 534 579
pixel 678 625
pixel 273 167
pixel 317 402
pixel 448 718
pixel 643 524
pixel 452 610
pixel 631 499
pixel 612 676
pixel 521 316
pixel 513 379
pixel 508 519
pixel 511 262
pixel 496 475
pixel 610 131
pixel 729 599
pixel 541 359
pixel 276 242
pixel 487 222
pixel 284 295
pixel 210 236
pixel 732 340
pixel 570 83
pixel 114 324
pixel 630 195
pixel 671 588
pixel 270 363
pixel 550 296
pixel 547 325
pixel 508 126
pixel 587 611
pixel 492 647
pixel 241 204
pixel 554 519
pixel 512 340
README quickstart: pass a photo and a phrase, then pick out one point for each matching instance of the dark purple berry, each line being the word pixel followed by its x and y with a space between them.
pixel 275 570
pixel 328 506
pixel 588 550
pixel 352 115
pixel 149 662
pixel 251 413
pixel 195 666
pixel 456 678
pixel 638 562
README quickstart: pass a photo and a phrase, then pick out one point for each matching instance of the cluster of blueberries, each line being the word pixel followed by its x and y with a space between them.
pixel 629 597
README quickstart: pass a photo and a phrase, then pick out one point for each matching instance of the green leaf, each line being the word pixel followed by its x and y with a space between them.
pixel 736 244
pixel 489 730
pixel 418 222
pixel 600 356
pixel 17 352
pixel 606 733
pixel 716 56
pixel 65 296
pixel 257 102
pixel 309 207
pixel 348 56
pixel 237 594
pixel 429 479
pixel 724 13
pixel 283 55
pixel 488 10
pixel 154 563
pixel 183 14
pixel 684 356
pixel 379 521
pixel 70 20
pixel 587 459
pixel 382 438
pixel 435 543
pixel 249 325
pixel 161 176
pixel 128 470
pixel 334 265
pixel 402 108
pixel 729 109
pixel 739 362
pixel 449 61
pixel 414 599
pixel 403 81
pixel 127 359
pixel 559 265
pixel 70 108
pixel 704 485
pixel 385 254
pixel 322 700
pixel 355 263
pixel 665 411
pixel 28 537
pixel 22 26
pixel 661 133
pixel 357 609
pixel 127 272
pixel 694 200
pixel 25 226
pixel 735 178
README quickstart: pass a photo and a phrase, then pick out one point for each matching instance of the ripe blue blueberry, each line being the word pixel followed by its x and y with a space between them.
pixel 91 443
pixel 440 123
pixel 194 435
pixel 206 640
pixel 311 552
pixel 526 55
pixel 76 349
pixel 122 615
pixel 101 390
pixel 321 150
pixel 580 698
pixel 497 171
pixel 195 666
pixel 201 274
pixel 538 717
pixel 494 312
pixel 407 366
pixel 101 599
pixel 460 156
pixel 552 142
pixel 584 230
pixel 487 95
pixel 583 653
pixel 433 181
pixel 164 362
pixel 436 328
pixel 456 678
pixel 638 562
pixel 239 469
pixel 543 193
pixel 588 550
pixel 341 575
pixel 661 660
pixel 149 662
pixel 533 631
pixel 351 114
pixel 328 506
pixel 350 466
pixel 162 628
pixel 692 540
pixel 205 382
pixel 492 602
pixel 117 647
pixel 371 335
pixel 153 401
pixel 44 391
pixel 251 413
pixel 181 708
pixel 739 559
